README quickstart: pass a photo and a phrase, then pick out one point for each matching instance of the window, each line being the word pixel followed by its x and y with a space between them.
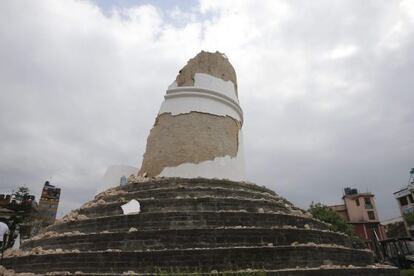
pixel 357 201
pixel 403 201
pixel 368 204
pixel 410 198
pixel 371 215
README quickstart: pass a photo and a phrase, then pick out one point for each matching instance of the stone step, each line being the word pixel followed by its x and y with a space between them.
pixel 188 238
pixel 201 204
pixel 186 220
pixel 324 271
pixel 188 191
pixel 220 259
pixel 189 182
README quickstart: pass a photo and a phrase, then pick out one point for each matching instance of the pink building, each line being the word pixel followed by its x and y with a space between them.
pixel 360 211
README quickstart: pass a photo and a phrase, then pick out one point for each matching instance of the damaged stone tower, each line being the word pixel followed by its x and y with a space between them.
pixel 197 213
pixel 197 132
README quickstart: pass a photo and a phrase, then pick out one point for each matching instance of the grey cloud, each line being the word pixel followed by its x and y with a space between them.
pixel 80 88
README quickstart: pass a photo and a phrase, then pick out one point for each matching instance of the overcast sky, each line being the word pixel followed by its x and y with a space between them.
pixel 326 88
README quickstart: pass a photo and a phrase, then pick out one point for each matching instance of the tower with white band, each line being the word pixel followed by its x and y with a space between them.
pixel 198 130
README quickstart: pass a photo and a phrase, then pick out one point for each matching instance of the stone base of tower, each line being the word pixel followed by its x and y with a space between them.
pixel 192 226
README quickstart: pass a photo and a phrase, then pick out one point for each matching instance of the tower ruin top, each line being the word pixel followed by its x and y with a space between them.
pixel 197 132
pixel 214 64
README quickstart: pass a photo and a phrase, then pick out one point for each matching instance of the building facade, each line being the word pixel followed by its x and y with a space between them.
pixel 405 199
pixel 48 204
pixel 359 210
pixel 394 228
pixel 21 213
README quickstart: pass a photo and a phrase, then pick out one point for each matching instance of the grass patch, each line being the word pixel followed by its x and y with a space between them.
pixel 407 272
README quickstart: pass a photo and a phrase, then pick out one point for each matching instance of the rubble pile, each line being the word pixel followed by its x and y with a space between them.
pixel 72 216
pixel 10 272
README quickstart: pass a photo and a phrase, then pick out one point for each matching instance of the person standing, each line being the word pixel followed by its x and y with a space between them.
pixel 4 231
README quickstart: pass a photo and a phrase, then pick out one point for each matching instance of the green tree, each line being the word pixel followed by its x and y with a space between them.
pixel 396 230
pixel 326 214
pixel 21 193
pixel 409 218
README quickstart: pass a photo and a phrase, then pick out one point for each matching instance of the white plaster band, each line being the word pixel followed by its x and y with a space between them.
pixel 199 92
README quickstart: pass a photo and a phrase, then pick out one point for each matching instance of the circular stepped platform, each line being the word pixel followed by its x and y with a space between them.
pixel 235 258
pixel 189 238
pixel 212 204
pixel 186 220
pixel 192 225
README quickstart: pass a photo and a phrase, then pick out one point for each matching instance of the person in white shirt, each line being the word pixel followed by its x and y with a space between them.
pixel 4 230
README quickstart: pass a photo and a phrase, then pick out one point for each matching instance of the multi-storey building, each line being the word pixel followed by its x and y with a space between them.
pixel 19 212
pixel 48 204
pixel 394 228
pixel 406 203
pixel 360 211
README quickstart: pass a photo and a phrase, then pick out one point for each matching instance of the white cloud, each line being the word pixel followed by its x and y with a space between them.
pixel 80 88
pixel 343 51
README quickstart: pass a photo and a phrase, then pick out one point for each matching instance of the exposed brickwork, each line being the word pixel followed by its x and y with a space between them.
pixel 192 137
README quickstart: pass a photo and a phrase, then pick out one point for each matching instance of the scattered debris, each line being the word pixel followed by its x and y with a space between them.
pixel 59 273
pixel 110 191
pixel 312 244
pixel 289 227
pixel 73 216
pixel 137 179
pixel 9 253
pixel 132 207
pixel 113 250
pixel 9 272
pixel 129 272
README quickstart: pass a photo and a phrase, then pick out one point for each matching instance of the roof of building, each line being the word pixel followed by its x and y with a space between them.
pixel 392 220
pixel 338 207
pixel 359 195
pixel 400 190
